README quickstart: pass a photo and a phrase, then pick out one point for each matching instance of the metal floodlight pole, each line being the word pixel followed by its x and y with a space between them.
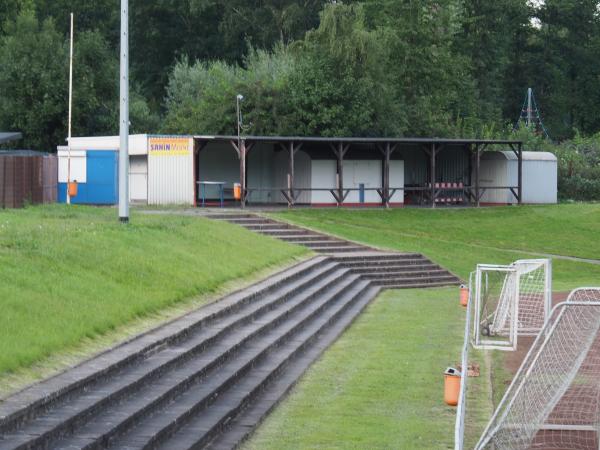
pixel 70 113
pixel 124 116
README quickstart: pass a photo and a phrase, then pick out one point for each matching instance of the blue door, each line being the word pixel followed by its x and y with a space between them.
pixel 101 178
pixel 102 182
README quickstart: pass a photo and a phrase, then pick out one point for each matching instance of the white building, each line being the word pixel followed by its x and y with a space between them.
pixel 302 170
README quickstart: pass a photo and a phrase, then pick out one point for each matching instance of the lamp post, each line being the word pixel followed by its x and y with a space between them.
pixel 241 151
pixel 124 116
pixel 238 99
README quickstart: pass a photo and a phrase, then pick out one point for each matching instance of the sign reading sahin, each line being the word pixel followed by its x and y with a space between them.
pixel 168 146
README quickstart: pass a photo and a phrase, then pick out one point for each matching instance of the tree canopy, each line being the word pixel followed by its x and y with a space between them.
pixel 322 67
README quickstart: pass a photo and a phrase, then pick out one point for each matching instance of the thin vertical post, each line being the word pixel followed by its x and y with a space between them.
pixel 529 107
pixel 386 175
pixel 520 158
pixel 124 116
pixel 432 175
pixel 340 171
pixel 242 149
pixel 291 174
pixel 477 166
pixel 70 112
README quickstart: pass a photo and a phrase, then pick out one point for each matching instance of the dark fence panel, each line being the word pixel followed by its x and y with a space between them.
pixel 27 179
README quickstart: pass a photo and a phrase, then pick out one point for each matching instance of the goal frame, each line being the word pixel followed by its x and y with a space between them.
pixel 524 373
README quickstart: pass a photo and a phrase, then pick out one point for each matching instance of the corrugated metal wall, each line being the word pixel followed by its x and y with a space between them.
pixel 27 179
pixel 540 181
pixel 170 171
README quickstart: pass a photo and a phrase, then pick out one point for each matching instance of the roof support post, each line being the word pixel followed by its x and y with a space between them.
pixel 432 175
pixel 242 153
pixel 340 152
pixel 477 166
pixel 340 173
pixel 290 180
pixel 386 175
pixel 520 158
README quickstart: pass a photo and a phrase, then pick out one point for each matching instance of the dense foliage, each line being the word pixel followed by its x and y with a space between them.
pixel 322 67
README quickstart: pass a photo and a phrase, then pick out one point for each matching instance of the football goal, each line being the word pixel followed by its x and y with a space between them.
pixel 510 301
pixel 554 400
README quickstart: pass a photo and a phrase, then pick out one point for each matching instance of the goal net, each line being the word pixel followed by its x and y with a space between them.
pixel 554 400
pixel 510 301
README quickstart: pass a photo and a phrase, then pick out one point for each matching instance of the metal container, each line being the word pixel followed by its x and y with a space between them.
pixel 500 169
pixel 170 170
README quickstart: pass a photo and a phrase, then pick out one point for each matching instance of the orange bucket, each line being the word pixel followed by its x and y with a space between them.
pixel 464 295
pixel 72 189
pixel 451 386
pixel 237 191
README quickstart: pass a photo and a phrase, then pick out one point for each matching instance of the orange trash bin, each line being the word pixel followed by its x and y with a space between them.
pixel 72 189
pixel 464 295
pixel 237 191
pixel 451 386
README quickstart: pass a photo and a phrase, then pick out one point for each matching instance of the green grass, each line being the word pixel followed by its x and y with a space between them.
pixel 460 238
pixel 380 386
pixel 71 274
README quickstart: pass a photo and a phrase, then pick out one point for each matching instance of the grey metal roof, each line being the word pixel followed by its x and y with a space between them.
pixel 358 140
pixel 8 136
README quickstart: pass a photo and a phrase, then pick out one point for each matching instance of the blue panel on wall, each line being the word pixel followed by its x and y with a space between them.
pixel 102 182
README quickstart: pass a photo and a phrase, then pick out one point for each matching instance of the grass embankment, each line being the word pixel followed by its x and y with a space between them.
pixel 70 274
pixel 380 385
pixel 458 239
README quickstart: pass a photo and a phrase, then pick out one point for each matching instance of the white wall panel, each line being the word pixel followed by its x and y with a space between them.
pixel 78 166
pixel 138 178
pixel 171 172
pixel 367 172
pixel 397 180
pixel 323 176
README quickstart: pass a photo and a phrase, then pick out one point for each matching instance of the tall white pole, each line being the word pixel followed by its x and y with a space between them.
pixel 70 114
pixel 529 108
pixel 124 116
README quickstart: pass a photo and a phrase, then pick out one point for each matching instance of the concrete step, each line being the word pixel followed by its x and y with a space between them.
pixel 250 221
pixel 274 226
pixel 48 420
pixel 286 232
pixel 336 249
pixel 405 274
pixel 444 279
pixel 245 421
pixel 208 392
pixel 206 424
pixel 230 216
pixel 306 237
pixel 375 257
pixel 418 285
pixel 325 243
pixel 404 264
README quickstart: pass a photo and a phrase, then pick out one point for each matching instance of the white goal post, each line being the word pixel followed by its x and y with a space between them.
pixel 510 301
pixel 554 400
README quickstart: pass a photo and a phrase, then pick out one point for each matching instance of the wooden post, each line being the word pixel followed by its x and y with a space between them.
pixel 432 175
pixel 520 157
pixel 243 173
pixel 386 176
pixel 477 165
pixel 291 175
pixel 340 171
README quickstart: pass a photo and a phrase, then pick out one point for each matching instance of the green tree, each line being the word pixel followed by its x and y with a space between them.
pixel 341 85
pixel 568 66
pixel 34 85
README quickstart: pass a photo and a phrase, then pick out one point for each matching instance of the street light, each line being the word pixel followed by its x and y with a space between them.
pixel 238 99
